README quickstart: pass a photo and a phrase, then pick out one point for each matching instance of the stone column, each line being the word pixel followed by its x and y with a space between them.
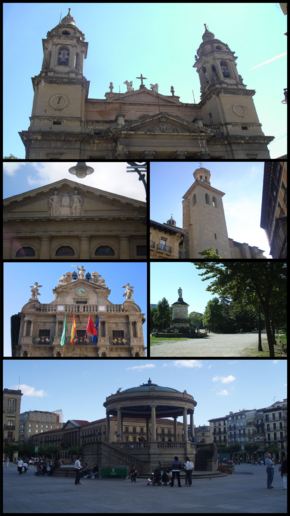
pixel 147 429
pixel 72 56
pixel 175 429
pixel 108 427
pixel 44 253
pixel 153 423
pixel 54 55
pixel 85 247
pixel 119 416
pixel 122 422
pixel 185 425
pixel 124 247
pixel 191 425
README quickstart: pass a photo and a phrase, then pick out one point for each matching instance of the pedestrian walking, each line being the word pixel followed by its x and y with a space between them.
pixel 175 468
pixel 269 470
pixel 20 465
pixel 188 466
pixel 284 472
pixel 78 470
pixel 7 462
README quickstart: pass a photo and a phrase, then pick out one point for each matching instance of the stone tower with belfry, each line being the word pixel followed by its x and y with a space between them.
pixel 203 217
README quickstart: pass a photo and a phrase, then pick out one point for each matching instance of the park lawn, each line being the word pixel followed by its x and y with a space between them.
pixel 248 352
pixel 155 341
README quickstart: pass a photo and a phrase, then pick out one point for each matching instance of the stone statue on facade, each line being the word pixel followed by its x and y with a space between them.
pixel 129 85
pixel 54 203
pixel 81 271
pixel 154 87
pixel 76 204
pixel 66 278
pixel 129 291
pixel 180 292
pixel 34 290
pixel 97 278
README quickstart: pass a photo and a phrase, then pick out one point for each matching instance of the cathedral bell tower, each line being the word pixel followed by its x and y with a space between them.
pixel 60 89
pixel 203 217
pixel 226 103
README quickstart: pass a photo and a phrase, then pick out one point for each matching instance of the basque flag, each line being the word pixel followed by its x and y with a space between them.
pixel 95 337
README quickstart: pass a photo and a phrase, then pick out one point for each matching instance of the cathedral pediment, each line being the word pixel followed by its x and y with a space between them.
pixel 66 198
pixel 146 96
pixel 164 123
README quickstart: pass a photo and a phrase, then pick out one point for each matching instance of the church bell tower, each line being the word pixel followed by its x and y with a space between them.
pixel 226 103
pixel 203 217
pixel 60 89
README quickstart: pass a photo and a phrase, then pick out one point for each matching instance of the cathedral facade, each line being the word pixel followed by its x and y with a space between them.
pixel 45 330
pixel 142 123
pixel 204 227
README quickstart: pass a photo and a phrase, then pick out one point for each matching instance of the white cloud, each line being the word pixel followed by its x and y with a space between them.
pixel 187 363
pixel 11 168
pixel 141 367
pixel 224 379
pixel 165 365
pixel 275 361
pixel 30 391
pixel 223 393
pixel 209 367
pixel 110 177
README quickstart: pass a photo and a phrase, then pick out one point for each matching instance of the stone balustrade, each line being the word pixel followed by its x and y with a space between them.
pixel 72 308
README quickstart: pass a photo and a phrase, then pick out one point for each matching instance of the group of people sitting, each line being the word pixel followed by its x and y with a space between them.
pixel 159 477
pixel 87 473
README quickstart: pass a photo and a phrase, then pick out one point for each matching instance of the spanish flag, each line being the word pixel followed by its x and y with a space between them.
pixel 73 330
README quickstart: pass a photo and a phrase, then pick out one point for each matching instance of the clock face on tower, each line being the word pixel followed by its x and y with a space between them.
pixel 81 291
pixel 59 101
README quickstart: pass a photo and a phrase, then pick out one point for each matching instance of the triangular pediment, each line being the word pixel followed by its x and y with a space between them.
pixel 146 96
pixel 66 198
pixel 164 123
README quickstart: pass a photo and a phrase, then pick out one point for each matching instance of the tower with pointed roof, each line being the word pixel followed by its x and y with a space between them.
pixel 60 90
pixel 203 217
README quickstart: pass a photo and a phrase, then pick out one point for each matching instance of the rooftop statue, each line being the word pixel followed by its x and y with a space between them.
pixel 34 290
pixel 129 291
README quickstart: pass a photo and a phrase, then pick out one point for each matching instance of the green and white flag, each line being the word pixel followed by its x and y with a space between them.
pixel 62 342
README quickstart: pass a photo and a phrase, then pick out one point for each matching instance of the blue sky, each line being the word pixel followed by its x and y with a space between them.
pixel 128 39
pixel 18 277
pixel 21 177
pixel 218 386
pixel 242 183
pixel 167 277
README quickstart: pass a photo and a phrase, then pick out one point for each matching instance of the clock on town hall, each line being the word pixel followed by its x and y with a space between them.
pixel 81 291
pixel 44 329
pixel 59 101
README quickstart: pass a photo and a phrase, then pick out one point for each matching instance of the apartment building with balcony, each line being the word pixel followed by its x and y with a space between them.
pixel 11 415
pixel 37 421
pixel 166 240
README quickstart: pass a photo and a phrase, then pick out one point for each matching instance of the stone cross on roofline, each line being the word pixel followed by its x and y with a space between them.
pixel 145 78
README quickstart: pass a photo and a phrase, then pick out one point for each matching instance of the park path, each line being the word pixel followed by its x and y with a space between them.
pixel 217 345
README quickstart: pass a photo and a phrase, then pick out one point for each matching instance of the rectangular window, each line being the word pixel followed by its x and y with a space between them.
pixel 56 122
pixel 215 235
pixel 273 416
pixel 118 334
pixel 217 252
pixel 134 429
pixel 103 328
pixel 44 333
pixel 141 250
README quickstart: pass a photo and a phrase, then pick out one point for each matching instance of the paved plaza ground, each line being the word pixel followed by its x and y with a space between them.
pixel 217 345
pixel 243 492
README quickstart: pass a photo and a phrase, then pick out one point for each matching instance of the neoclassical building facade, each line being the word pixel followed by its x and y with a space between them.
pixel 39 330
pixel 68 219
pixel 204 227
pixel 142 122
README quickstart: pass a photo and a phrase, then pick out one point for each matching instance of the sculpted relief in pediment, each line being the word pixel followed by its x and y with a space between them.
pixel 65 204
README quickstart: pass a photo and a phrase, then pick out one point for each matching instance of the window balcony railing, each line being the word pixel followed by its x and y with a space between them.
pixel 80 308
pixel 120 342
pixel 165 248
pixel 42 340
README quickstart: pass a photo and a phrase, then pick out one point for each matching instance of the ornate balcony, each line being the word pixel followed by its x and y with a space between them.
pixel 165 248
pixel 68 308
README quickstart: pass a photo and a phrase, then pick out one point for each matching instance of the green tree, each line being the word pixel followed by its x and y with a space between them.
pixel 251 448
pixel 162 316
pixel 10 157
pixel 153 311
pixel 210 253
pixel 212 317
pixel 262 283
pixel 195 320
pixel 75 450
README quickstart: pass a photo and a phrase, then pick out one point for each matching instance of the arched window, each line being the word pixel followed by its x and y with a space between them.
pixel 65 251
pixel 214 71
pixel 28 328
pixel 205 73
pixel 218 47
pixel 224 68
pixel 65 32
pixel 206 198
pixel 104 251
pixel 25 251
pixel 63 56
pixel 194 200
pixel 134 328
pixel 214 203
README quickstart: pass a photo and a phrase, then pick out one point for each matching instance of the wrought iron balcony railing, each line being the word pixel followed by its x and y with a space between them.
pixel 163 247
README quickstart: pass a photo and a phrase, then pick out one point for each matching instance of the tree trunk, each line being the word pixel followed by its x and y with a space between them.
pixel 269 332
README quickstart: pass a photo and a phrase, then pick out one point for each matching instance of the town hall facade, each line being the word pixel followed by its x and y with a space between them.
pixel 142 123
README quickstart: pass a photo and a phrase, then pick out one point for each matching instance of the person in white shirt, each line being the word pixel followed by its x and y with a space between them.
pixel 20 465
pixel 25 465
pixel 78 470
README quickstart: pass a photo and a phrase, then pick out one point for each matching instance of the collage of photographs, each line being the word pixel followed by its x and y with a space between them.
pixel 166 275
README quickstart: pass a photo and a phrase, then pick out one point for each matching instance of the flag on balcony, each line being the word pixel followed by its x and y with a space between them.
pixel 73 330
pixel 62 342
pixel 95 337
pixel 90 327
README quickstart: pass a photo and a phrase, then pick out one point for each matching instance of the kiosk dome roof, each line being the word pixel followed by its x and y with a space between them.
pixel 146 387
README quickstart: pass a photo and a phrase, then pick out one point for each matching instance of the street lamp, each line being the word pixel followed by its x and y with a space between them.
pixel 81 170
pixel 139 167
